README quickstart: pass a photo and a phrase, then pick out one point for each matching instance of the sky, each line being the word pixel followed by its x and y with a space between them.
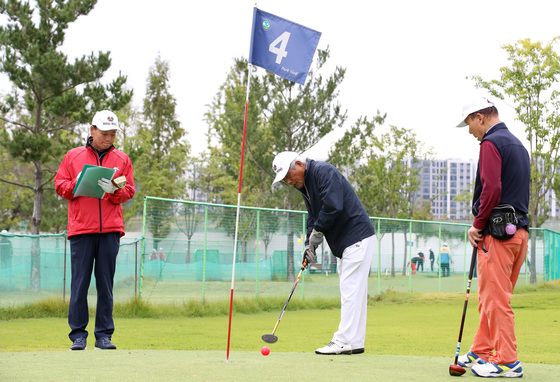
pixel 408 59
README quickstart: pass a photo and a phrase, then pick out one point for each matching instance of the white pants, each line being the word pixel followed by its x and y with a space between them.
pixel 353 271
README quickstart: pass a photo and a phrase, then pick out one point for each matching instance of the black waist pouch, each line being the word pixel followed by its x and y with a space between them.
pixel 502 224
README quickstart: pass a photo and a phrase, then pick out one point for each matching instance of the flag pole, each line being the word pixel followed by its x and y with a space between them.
pixel 239 186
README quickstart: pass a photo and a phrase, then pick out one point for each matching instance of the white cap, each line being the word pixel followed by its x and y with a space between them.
pixel 444 244
pixel 474 106
pixel 105 120
pixel 281 165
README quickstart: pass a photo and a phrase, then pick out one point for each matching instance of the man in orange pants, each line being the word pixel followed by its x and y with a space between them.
pixel 502 178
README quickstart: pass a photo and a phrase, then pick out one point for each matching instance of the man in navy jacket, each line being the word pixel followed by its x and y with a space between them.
pixel 335 213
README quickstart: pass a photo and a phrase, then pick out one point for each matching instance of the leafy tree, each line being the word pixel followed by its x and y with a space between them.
pixel 381 168
pixel 159 152
pixel 13 200
pixel 269 225
pixel 466 196
pixel 530 84
pixel 282 116
pixel 187 219
pixel 51 95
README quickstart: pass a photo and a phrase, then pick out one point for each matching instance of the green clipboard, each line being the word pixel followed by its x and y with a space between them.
pixel 87 182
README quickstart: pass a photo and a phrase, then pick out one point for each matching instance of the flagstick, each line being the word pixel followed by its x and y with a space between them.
pixel 239 185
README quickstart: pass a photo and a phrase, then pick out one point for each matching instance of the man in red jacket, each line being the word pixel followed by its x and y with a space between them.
pixel 95 227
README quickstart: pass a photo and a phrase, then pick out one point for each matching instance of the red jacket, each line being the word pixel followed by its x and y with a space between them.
pixel 91 215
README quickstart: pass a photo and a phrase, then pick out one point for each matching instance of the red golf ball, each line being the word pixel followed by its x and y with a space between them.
pixel 265 350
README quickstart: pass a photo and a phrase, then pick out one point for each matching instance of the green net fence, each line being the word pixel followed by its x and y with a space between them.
pixel 184 251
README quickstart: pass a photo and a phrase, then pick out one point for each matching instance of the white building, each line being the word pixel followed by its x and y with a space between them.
pixel 441 181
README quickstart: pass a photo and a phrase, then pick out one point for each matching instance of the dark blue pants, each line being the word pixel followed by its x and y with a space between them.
pixel 98 253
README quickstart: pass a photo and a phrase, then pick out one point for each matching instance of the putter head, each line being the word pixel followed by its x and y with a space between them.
pixel 269 338
pixel 456 370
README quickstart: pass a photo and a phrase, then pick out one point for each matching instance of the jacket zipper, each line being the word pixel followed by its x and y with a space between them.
pixel 100 161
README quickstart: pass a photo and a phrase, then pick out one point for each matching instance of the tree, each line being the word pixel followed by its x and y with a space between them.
pixel 13 200
pixel 282 116
pixel 51 96
pixel 530 84
pixel 187 219
pixel 159 152
pixel 382 169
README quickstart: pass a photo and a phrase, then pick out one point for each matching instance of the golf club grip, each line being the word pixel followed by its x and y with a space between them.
pixel 471 273
pixel 473 262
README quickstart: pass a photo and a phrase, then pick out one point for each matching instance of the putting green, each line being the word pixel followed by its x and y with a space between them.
pixel 165 365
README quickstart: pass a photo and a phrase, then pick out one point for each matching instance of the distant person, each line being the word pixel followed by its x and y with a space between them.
pixel 501 195
pixel 432 260
pixel 414 264
pixel 444 260
pixel 420 262
pixel 95 227
pixel 335 213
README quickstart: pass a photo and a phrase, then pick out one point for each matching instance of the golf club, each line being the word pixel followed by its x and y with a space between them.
pixel 454 369
pixel 271 338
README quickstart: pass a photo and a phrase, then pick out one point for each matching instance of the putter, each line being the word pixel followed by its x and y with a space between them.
pixel 271 338
pixel 455 369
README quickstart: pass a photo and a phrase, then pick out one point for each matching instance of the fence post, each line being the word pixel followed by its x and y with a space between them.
pixel 378 256
pixel 257 239
pixel 411 252
pixel 136 269
pixel 465 254
pixel 64 272
pixel 204 253
pixel 302 284
pixel 439 259
pixel 555 275
pixel 143 251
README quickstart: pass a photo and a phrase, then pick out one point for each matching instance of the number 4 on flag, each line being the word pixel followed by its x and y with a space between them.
pixel 282 46
pixel 278 46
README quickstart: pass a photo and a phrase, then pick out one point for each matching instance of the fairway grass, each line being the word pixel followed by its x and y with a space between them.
pixel 166 365
pixel 410 337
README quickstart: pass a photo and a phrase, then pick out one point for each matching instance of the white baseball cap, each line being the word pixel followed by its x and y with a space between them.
pixel 474 106
pixel 105 120
pixel 281 165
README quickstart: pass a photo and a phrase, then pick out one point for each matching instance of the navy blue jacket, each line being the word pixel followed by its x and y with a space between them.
pixel 515 171
pixel 333 207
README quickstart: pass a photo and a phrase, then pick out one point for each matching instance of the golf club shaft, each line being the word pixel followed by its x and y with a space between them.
pixel 288 300
pixel 469 282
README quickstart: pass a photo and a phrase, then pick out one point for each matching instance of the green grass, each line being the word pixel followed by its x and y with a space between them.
pixel 136 308
pixel 148 365
pixel 410 336
pixel 398 324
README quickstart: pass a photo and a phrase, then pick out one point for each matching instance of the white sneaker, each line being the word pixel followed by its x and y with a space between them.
pixel 492 370
pixel 332 349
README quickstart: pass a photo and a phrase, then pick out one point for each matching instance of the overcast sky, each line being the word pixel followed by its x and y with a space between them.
pixel 406 58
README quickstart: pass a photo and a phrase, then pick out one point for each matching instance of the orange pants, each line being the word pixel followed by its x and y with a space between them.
pixel 498 266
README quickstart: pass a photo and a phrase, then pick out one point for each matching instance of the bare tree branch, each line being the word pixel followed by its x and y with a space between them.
pixel 29 128
pixel 16 184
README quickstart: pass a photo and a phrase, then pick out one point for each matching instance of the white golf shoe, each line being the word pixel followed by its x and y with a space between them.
pixel 492 370
pixel 333 349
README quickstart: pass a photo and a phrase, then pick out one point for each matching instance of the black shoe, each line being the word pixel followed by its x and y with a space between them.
pixel 104 343
pixel 79 344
